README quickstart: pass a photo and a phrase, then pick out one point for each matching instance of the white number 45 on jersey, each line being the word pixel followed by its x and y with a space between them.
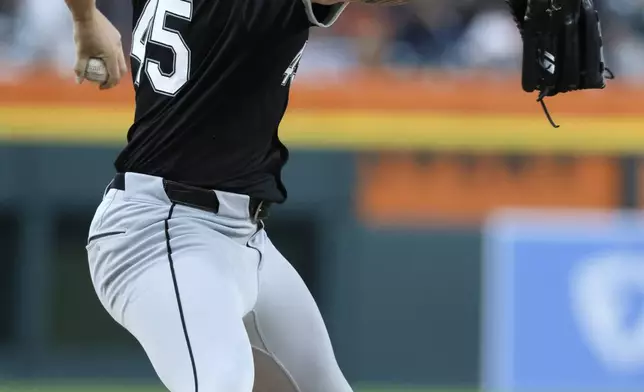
pixel 151 28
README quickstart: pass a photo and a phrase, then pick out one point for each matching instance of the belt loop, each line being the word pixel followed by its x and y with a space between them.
pixel 258 210
pixel 108 187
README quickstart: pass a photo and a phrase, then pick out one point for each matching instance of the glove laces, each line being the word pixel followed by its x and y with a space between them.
pixel 542 95
pixel 608 74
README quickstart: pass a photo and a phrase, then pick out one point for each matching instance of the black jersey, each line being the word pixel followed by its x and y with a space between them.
pixel 212 80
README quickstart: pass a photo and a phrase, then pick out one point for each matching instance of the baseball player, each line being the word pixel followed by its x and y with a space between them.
pixel 177 250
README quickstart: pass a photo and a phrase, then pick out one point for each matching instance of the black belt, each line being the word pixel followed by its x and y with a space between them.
pixel 196 197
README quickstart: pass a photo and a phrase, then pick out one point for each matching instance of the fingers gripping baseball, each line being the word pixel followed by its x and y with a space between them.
pixel 96 71
pixel 80 67
pixel 99 52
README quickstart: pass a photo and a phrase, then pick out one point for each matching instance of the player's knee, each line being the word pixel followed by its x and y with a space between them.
pixel 233 374
pixel 217 382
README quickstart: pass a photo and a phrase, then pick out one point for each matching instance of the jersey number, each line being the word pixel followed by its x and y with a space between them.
pixel 151 28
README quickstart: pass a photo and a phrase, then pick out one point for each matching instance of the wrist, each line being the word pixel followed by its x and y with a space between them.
pixel 83 17
pixel 82 11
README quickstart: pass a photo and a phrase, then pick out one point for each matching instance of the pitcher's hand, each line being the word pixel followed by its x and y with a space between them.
pixel 96 37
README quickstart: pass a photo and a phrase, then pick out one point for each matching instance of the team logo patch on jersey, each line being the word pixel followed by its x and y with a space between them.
pixel 291 71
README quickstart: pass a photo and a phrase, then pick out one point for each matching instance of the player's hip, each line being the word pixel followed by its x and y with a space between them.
pixel 137 228
pixel 144 208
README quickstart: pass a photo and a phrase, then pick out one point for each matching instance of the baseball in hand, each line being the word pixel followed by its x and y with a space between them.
pixel 96 71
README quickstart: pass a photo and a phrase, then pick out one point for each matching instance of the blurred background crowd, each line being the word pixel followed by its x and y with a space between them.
pixel 436 33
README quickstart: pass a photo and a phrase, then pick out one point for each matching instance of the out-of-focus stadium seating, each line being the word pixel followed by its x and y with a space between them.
pixel 436 33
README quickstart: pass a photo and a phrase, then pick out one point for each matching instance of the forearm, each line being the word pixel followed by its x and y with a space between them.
pixel 81 9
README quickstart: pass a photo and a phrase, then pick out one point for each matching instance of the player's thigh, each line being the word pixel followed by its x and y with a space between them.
pixel 287 324
pixel 188 318
pixel 181 290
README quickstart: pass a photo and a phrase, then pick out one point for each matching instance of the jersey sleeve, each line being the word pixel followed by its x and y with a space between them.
pixel 289 15
pixel 323 15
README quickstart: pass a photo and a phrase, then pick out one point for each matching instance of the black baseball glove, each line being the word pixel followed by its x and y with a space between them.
pixel 562 47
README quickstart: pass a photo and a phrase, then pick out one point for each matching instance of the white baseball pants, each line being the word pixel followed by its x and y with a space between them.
pixel 212 302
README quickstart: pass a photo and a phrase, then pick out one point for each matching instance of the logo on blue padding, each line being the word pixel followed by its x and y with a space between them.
pixel 607 301
pixel 563 302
